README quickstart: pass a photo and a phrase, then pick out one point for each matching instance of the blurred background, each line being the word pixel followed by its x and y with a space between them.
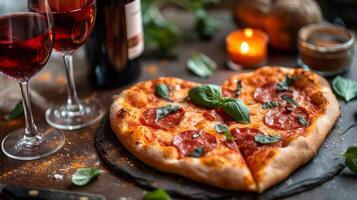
pixel 332 9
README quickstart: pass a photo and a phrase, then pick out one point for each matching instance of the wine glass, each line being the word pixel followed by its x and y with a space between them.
pixel 74 22
pixel 26 40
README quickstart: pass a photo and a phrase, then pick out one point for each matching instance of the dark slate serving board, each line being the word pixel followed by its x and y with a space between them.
pixel 325 165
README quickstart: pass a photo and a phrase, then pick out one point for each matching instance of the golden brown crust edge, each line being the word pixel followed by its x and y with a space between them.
pixel 235 178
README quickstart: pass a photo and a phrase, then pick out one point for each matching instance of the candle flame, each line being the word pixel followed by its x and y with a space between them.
pixel 248 32
pixel 244 48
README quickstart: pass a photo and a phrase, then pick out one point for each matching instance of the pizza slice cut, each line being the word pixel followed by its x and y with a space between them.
pixel 292 112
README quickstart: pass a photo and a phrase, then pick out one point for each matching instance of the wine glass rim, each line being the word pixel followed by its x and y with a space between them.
pixel 75 10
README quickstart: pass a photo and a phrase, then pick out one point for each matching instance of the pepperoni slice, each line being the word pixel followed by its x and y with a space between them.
pixel 187 141
pixel 171 120
pixel 285 118
pixel 268 92
pixel 245 141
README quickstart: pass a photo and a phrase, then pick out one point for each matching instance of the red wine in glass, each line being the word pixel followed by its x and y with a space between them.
pixel 24 48
pixel 74 22
pixel 26 42
pixel 73 19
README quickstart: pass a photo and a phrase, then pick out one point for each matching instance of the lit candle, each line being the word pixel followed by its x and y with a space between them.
pixel 247 47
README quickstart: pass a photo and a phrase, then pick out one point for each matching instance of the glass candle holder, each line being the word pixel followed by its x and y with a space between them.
pixel 246 48
pixel 325 48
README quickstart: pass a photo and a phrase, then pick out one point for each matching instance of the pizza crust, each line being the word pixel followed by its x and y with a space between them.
pixel 287 159
pixel 222 167
pixel 301 150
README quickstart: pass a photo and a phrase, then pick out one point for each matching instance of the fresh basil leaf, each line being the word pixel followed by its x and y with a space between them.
pixel 166 110
pixel 158 194
pixel 302 120
pixel 221 128
pixel 229 137
pixel 201 65
pixel 270 104
pixel 239 88
pixel 224 129
pixel 285 84
pixel 17 111
pixel 236 109
pixel 345 88
pixel 197 152
pixel 161 90
pixel 351 158
pixel 289 100
pixel 205 26
pixel 161 35
pixel 266 139
pixel 206 95
pixel 85 175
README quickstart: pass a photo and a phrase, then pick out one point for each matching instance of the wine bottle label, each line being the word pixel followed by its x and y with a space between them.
pixel 134 28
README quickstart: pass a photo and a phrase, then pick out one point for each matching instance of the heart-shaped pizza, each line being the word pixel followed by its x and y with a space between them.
pixel 247 134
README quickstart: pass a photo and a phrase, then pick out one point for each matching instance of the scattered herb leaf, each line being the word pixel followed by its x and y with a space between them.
pixel 236 109
pixel 221 128
pixel 158 194
pixel 166 110
pixel 345 88
pixel 196 153
pixel 266 139
pixel 201 65
pixel 302 120
pixel 161 90
pixel 17 111
pixel 239 88
pixel 224 129
pixel 85 175
pixel 229 136
pixel 161 35
pixel 206 95
pixel 289 100
pixel 270 104
pixel 205 26
pixel 285 84
pixel 351 158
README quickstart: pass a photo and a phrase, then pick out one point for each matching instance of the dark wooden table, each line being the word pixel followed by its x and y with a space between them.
pixel 49 88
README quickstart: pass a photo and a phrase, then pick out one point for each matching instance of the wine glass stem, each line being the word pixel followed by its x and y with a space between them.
pixel 30 129
pixel 73 103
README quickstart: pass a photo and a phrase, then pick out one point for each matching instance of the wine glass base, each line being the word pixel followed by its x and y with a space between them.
pixel 62 117
pixel 16 146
